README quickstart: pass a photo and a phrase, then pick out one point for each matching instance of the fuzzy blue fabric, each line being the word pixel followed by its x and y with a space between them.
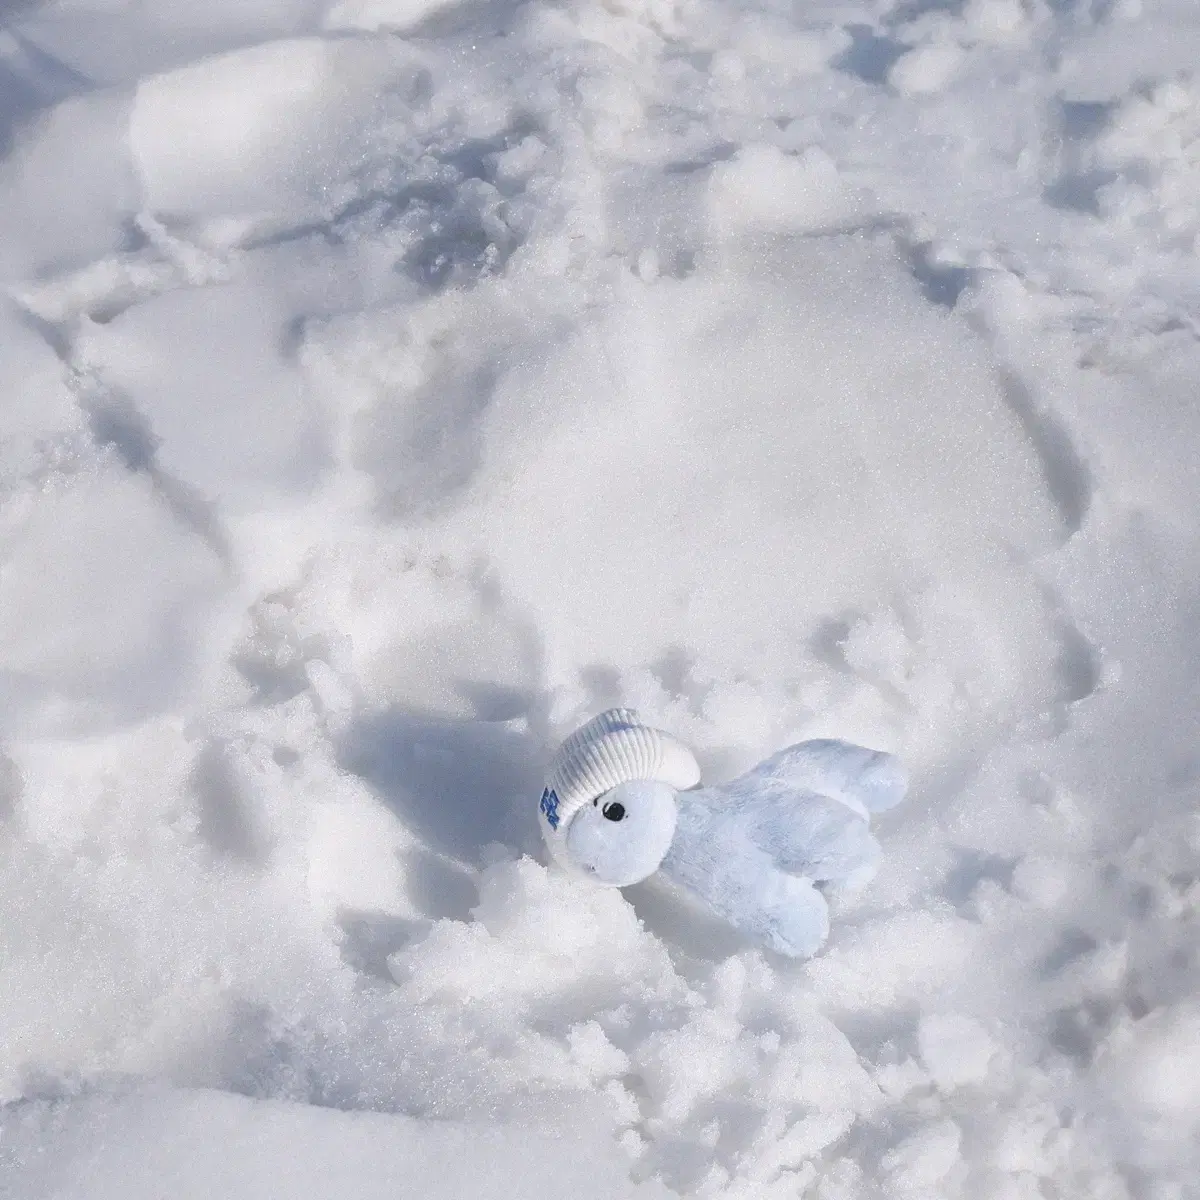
pixel 762 850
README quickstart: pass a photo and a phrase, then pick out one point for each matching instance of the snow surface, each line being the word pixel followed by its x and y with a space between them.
pixel 389 385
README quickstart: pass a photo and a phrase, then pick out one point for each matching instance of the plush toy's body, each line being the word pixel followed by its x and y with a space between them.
pixel 624 800
pixel 761 849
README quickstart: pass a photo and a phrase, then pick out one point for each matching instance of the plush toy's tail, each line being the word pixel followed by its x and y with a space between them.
pixel 868 781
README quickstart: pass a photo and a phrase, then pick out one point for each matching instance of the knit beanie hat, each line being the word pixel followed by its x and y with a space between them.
pixel 613 748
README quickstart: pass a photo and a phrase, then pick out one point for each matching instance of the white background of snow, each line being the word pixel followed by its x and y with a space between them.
pixel 386 386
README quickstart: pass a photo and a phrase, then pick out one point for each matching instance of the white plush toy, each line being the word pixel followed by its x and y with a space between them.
pixel 623 800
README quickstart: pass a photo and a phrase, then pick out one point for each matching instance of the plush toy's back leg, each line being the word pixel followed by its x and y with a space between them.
pixel 869 781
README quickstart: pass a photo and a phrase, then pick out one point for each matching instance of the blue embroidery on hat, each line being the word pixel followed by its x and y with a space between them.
pixel 549 806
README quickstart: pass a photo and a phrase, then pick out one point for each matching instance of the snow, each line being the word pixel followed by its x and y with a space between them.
pixel 259 130
pixel 954 1049
pixel 141 1145
pixel 390 385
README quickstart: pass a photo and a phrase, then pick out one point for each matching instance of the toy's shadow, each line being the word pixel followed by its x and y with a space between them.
pixel 458 785
pixel 683 923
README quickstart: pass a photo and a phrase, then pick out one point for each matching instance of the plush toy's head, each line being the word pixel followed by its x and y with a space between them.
pixel 608 809
pixel 623 836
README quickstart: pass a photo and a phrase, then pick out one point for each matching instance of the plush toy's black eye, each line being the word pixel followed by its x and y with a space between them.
pixel 614 811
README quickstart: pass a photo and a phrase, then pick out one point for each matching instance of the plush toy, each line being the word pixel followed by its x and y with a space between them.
pixel 623 800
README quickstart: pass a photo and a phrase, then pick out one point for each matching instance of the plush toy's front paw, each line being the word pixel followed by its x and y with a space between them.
pixel 796 921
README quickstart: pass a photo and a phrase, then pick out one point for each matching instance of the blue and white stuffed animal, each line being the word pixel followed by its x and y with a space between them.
pixel 623 800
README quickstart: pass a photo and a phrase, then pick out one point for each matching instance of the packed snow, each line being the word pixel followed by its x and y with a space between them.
pixel 388 386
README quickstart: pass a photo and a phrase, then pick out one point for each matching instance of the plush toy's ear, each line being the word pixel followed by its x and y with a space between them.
pixel 623 835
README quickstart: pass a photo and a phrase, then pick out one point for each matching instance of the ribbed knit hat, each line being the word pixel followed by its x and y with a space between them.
pixel 612 748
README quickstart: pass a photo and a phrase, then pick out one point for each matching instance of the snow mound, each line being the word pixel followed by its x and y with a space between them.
pixel 193 1145
pixel 256 130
